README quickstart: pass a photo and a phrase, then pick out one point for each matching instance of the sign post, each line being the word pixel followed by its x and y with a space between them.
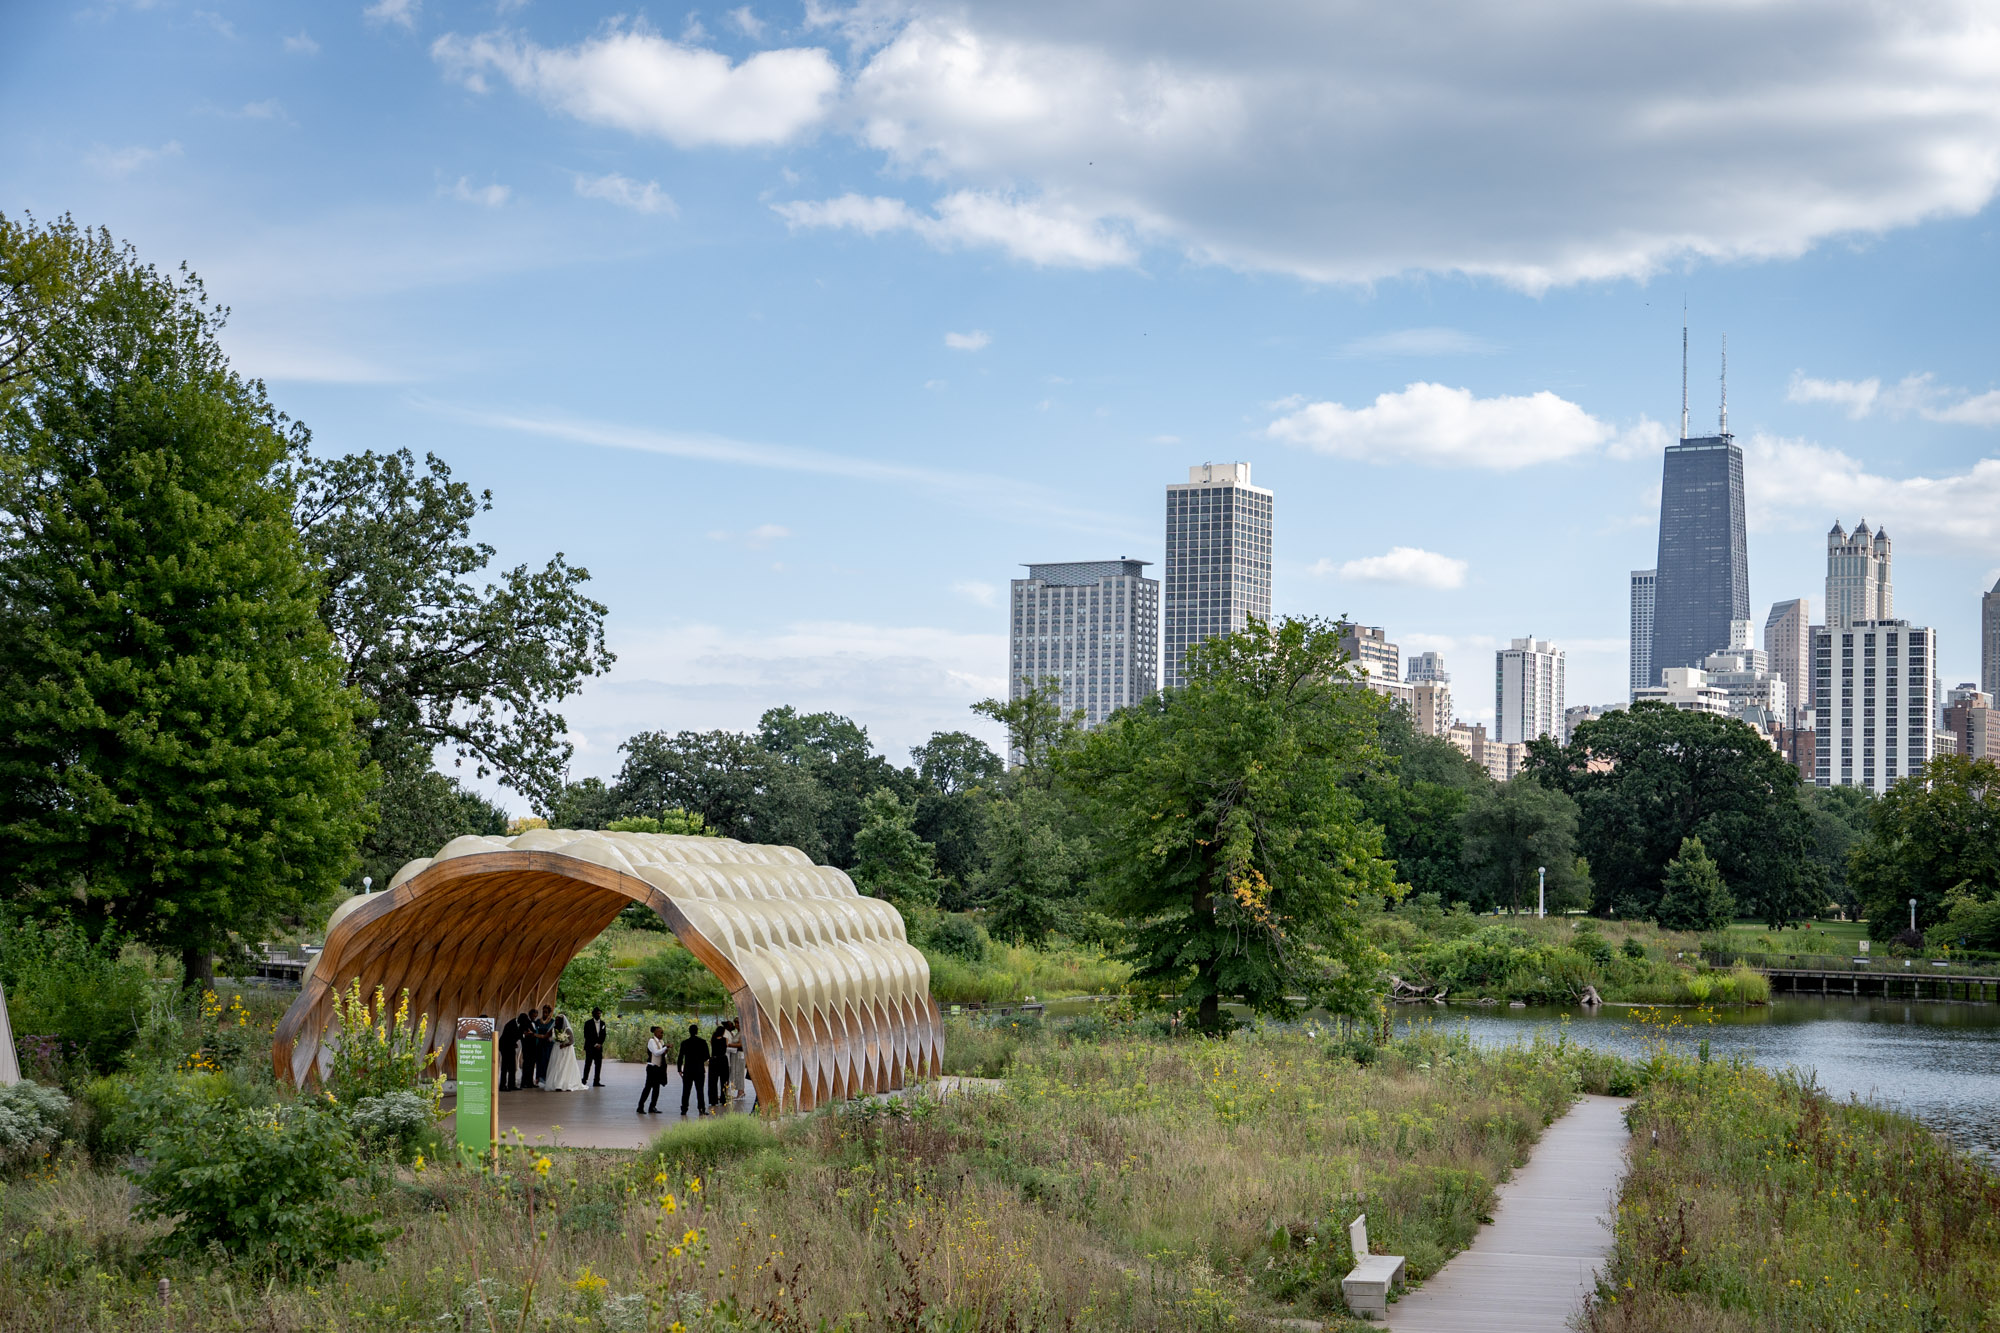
pixel 477 1116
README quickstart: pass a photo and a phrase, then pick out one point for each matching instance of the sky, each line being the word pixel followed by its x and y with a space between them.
pixel 803 328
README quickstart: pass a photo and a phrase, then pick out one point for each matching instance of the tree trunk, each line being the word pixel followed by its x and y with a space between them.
pixel 1209 1017
pixel 197 968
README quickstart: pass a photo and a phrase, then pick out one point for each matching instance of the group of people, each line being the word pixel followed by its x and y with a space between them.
pixel 538 1050
pixel 706 1068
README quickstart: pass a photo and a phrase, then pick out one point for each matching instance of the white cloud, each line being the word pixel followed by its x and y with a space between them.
pixel 1799 485
pixel 1439 426
pixel 747 23
pixel 402 13
pixel 301 44
pixel 268 109
pixel 1418 342
pixel 984 594
pixel 1036 230
pixel 125 161
pixel 1410 566
pixel 627 193
pixel 1920 394
pixel 977 340
pixel 486 196
pixel 756 539
pixel 635 80
pixel 1544 144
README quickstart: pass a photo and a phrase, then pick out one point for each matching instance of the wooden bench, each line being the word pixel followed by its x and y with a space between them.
pixel 1366 1289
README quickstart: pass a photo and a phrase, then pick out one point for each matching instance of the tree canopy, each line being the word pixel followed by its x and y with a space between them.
pixel 1930 837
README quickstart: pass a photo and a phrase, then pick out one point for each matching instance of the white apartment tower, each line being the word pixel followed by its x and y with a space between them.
pixel 1644 582
pixel 1218 573
pixel 1094 627
pixel 1857 577
pixel 1788 648
pixel 1873 702
pixel 1528 691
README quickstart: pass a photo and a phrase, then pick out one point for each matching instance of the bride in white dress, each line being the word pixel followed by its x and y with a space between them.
pixel 565 1074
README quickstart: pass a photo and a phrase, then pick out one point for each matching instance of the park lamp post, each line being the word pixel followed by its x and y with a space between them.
pixel 1913 914
pixel 1541 891
pixel 368 884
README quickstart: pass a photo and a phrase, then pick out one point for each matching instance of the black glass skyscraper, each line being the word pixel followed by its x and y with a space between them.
pixel 1704 564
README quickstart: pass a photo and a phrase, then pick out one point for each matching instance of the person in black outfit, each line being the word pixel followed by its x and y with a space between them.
pixel 656 1071
pixel 594 1032
pixel 693 1067
pixel 545 1043
pixel 718 1065
pixel 510 1053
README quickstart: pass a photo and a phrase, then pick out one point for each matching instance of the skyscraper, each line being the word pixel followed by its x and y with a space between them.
pixel 1858 586
pixel 1528 691
pixel 1873 680
pixel 1642 674
pixel 1094 626
pixel 1704 563
pixel 1218 558
pixel 1989 642
pixel 1788 646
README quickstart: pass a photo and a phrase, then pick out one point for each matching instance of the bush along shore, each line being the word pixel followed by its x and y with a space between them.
pixel 1117 1178
pixel 1756 1202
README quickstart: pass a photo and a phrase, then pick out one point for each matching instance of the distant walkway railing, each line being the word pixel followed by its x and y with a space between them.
pixel 1863 974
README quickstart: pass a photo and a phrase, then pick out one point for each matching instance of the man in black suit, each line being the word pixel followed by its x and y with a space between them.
pixel 718 1066
pixel 510 1053
pixel 693 1067
pixel 594 1033
pixel 656 1071
pixel 545 1043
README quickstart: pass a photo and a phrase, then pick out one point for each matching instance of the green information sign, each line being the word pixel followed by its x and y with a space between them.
pixel 478 1114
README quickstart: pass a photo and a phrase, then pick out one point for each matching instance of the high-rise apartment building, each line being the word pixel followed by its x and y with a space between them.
pixel 1704 564
pixel 1989 641
pixel 1687 689
pixel 1426 666
pixel 1872 682
pixel 1430 693
pixel 1644 583
pixel 1094 626
pixel 1218 572
pixel 1858 586
pixel 1369 650
pixel 1528 691
pixel 1788 647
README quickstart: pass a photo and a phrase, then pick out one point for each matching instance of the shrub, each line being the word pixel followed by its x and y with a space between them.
pixel 696 1147
pixel 1632 949
pixel 377 1052
pixel 395 1122
pixel 61 984
pixel 675 976
pixel 590 981
pixel 32 1119
pixel 960 937
pixel 262 1185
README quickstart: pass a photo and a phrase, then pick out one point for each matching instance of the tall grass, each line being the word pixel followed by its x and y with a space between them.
pixel 1012 972
pixel 1757 1202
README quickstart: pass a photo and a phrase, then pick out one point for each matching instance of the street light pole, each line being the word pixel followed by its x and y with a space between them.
pixel 1913 914
pixel 1542 891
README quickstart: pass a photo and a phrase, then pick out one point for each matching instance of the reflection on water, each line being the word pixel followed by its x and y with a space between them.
pixel 1938 1062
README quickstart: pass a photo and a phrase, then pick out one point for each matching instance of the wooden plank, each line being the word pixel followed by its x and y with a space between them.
pixel 1529 1271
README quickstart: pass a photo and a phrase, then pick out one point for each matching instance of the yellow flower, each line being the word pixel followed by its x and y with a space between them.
pixel 589 1283
pixel 542 1167
pixel 418 1165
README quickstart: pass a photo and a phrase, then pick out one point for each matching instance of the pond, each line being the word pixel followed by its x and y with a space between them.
pixel 1938 1062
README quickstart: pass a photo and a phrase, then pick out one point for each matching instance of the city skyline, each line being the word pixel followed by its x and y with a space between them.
pixel 887 345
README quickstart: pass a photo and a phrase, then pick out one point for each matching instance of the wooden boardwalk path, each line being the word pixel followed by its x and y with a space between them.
pixel 1529 1271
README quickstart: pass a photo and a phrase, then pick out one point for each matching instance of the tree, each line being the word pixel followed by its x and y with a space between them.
pixel 1417 796
pixel 1225 833
pixel 1649 777
pixel 740 789
pixel 1032 872
pixel 421 810
pixel 447 664
pixel 1839 820
pixel 587 804
pixel 1692 893
pixel 833 753
pixel 1037 727
pixel 951 762
pixel 890 861
pixel 1513 829
pixel 958 774
pixel 1930 836
pixel 178 754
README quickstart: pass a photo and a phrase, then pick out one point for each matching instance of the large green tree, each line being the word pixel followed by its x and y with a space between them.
pixel 449 665
pixel 1032 863
pixel 1647 778
pixel 1839 820
pixel 739 788
pixel 1929 836
pixel 1227 836
pixel 178 753
pixel 1417 796
pixel 959 776
pixel 890 861
pixel 1037 727
pixel 1514 830
pixel 1692 893
pixel 834 754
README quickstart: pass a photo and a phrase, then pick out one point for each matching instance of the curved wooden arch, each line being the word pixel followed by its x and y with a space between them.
pixel 832 999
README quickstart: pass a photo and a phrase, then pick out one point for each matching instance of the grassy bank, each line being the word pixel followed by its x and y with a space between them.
pixel 1764 1205
pixel 1551 960
pixel 1118 1181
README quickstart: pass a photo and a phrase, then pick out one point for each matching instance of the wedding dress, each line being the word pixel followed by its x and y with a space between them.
pixel 565 1073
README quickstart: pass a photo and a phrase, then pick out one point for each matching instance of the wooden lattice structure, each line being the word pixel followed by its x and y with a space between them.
pixel 832 998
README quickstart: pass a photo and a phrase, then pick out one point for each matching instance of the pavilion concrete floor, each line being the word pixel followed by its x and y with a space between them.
pixel 595 1117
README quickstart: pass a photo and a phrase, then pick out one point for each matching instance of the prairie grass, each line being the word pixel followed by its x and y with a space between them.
pixel 1123 1181
pixel 1756 1202
pixel 1012 972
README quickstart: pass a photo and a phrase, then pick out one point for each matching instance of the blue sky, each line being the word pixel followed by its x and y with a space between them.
pixel 803 328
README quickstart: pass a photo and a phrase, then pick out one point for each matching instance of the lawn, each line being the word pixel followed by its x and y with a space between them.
pixel 1117 1179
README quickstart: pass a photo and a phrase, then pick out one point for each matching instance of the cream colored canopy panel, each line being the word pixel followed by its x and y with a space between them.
pixel 833 1000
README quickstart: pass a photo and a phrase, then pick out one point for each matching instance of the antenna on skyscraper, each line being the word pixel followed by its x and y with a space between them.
pixel 1684 369
pixel 1722 424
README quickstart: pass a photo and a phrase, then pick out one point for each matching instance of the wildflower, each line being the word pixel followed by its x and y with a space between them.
pixel 542 1167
